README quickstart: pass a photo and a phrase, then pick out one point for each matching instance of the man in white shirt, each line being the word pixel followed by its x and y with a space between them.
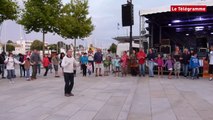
pixel 68 64
pixel 211 63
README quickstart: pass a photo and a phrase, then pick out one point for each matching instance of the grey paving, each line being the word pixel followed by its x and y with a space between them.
pixel 107 98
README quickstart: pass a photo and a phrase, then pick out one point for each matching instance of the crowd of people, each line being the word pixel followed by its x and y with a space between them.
pixel 185 63
pixel 96 62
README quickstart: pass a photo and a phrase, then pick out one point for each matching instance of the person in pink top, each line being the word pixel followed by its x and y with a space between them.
pixel 124 64
pixel 160 63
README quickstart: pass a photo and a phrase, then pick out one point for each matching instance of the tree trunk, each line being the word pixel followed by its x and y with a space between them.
pixel 74 47
pixel 43 43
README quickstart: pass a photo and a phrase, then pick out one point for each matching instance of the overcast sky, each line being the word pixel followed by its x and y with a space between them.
pixel 106 14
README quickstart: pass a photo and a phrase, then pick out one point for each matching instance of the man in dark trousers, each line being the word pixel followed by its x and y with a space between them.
pixel 2 64
pixel 35 59
pixel 68 64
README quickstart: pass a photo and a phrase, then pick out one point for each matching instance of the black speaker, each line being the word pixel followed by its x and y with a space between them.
pixel 127 15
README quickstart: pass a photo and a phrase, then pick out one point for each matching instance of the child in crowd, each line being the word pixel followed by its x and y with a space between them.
pixel 27 65
pixel 117 65
pixel 169 64
pixel 160 63
pixel 106 66
pixel 46 64
pixel 194 65
pixel 89 68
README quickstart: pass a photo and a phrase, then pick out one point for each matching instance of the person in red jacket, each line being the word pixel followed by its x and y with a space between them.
pixel 141 56
pixel 46 63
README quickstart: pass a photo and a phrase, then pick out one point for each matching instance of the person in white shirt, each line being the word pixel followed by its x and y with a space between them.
pixel 10 62
pixel 211 63
pixel 68 64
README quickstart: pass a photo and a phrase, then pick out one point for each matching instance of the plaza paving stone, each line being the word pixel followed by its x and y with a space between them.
pixel 107 98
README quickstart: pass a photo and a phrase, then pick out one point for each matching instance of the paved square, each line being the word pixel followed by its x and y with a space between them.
pixel 107 98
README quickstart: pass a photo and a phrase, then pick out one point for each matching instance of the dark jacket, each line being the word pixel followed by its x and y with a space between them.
pixel 2 59
pixel 186 58
pixel 151 56
pixel 98 57
pixel 35 57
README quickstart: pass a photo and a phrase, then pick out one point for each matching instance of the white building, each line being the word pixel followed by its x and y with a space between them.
pixel 24 46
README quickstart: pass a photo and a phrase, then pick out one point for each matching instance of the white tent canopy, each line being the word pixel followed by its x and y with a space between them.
pixel 167 8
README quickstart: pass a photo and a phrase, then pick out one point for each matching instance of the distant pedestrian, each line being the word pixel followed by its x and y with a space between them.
pixel 194 64
pixel 107 64
pixel 27 65
pixel 22 70
pixel 177 58
pixel 109 56
pixel 91 60
pixel 50 67
pixel 151 58
pixel 10 62
pixel 124 63
pixel 185 62
pixel 2 64
pixel 46 63
pixel 35 59
pixel 141 56
pixel 210 57
pixel 134 63
pixel 68 63
pixel 169 64
pixel 55 62
pixel 98 59
pixel 89 68
pixel 160 63
pixel 117 65
pixel 84 62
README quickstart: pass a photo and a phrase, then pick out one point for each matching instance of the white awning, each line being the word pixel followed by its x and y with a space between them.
pixel 167 8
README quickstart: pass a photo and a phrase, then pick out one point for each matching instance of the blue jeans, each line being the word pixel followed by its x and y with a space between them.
pixel 10 74
pixel 151 66
pixel 142 69
pixel 195 72
pixel 39 68
pixel 185 69
pixel 27 73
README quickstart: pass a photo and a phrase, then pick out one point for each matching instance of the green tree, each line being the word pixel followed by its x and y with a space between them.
pixel 8 10
pixel 9 42
pixel 37 44
pixel 74 21
pixel 41 16
pixel 52 47
pixel 10 48
pixel 113 48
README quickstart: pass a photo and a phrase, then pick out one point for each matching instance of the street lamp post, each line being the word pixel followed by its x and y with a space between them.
pixel 130 39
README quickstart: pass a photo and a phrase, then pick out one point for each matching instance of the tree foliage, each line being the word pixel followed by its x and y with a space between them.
pixel 9 42
pixel 113 48
pixel 41 16
pixel 8 10
pixel 52 47
pixel 37 44
pixel 10 48
pixel 74 21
